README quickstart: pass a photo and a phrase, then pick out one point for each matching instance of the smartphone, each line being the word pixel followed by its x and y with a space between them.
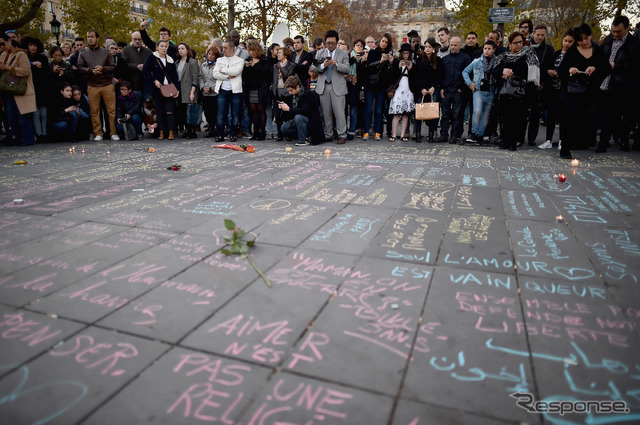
pixel 361 54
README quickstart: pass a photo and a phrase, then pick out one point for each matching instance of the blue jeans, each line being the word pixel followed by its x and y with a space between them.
pixel 296 128
pixel 228 107
pixel 371 96
pixel 271 125
pixel 482 101
pixel 40 121
pixel 20 125
pixel 452 114
pixel 136 120
pixel 65 128
pixel 353 119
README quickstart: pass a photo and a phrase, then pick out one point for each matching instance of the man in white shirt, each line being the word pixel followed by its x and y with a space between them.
pixel 228 75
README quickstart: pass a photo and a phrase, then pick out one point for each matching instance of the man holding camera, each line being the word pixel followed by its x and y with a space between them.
pixel 332 66
pixel 302 118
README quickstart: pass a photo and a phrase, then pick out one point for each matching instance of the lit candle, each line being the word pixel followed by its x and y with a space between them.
pixel 288 149
pixel 108 152
pixel 327 151
pixel 575 162
pixel 560 218
pixel 82 151
pixel 70 150
pixel 74 148
pixel 562 178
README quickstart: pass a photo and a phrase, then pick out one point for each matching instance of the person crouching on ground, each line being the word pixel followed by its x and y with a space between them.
pixel 128 107
pixel 302 117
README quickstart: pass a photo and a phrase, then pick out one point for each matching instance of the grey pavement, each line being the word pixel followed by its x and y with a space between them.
pixel 412 283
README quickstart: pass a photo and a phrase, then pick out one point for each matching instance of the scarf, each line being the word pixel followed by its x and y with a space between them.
pixel 168 58
pixel 489 64
pixel 533 63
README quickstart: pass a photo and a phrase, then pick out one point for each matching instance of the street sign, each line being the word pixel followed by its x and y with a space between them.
pixel 499 15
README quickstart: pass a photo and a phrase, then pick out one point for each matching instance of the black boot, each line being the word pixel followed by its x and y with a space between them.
pixel 418 137
pixel 432 135
pixel 255 134
pixel 262 134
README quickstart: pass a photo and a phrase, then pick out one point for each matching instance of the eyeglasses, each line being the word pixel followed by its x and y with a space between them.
pixel 516 42
pixel 330 43
pixel 359 45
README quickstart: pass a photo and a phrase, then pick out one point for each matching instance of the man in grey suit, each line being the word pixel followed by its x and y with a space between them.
pixel 332 66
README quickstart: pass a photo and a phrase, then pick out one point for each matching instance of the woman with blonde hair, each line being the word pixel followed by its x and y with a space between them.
pixel 189 77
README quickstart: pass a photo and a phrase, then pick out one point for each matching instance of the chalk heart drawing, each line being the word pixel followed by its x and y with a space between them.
pixel 574 273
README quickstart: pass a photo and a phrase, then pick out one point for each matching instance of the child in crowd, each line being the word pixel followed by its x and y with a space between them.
pixel 64 115
pixel 128 107
pixel 83 131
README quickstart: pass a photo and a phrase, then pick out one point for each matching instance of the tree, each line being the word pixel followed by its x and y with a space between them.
pixel 330 16
pixel 195 22
pixel 24 17
pixel 107 17
pixel 260 17
pixel 471 15
pixel 370 22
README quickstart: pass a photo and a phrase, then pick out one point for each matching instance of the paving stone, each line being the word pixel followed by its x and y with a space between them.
pixel 203 388
pixel 48 275
pixel 411 412
pixel 100 294
pixel 204 288
pixel 413 236
pixel 529 205
pixel 350 231
pixel 76 377
pixel 264 332
pixel 292 399
pixel 545 250
pixel 26 335
pixel 375 314
pixel 467 314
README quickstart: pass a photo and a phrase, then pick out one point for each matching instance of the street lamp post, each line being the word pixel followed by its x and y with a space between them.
pixel 55 29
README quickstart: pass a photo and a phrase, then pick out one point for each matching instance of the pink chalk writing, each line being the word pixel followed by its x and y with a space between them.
pixel 87 350
pixel 14 326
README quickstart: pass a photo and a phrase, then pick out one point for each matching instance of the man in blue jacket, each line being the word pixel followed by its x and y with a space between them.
pixel 451 93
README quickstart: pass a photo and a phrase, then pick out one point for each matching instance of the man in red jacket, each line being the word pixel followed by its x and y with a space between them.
pixel 96 63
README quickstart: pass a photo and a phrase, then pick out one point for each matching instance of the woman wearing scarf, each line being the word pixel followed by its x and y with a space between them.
pixel 281 71
pixel 520 67
pixel 485 75
pixel 160 69
pixel 582 71
pixel 428 80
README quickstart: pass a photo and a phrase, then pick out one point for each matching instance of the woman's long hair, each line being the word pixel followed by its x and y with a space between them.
pixel 433 60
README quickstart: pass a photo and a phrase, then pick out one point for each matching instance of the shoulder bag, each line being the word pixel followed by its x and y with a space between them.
pixel 427 111
pixel 10 84
pixel 512 87
pixel 391 91
pixel 167 90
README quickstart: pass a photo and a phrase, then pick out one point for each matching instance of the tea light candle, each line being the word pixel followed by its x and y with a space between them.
pixel 560 218
pixel 574 162
pixel 327 151
pixel 562 178
pixel 288 149
pixel 108 152
pixel 70 150
pixel 82 151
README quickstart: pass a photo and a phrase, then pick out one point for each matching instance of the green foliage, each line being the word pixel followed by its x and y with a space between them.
pixel 238 246
pixel 195 22
pixel 107 17
pixel 12 10
pixel 471 15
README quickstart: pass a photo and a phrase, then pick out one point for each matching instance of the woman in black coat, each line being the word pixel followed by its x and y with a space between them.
pixel 281 71
pixel 582 71
pixel 256 77
pixel 426 82
pixel 513 104
pixel 160 69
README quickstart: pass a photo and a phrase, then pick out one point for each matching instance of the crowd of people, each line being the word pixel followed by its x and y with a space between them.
pixel 501 89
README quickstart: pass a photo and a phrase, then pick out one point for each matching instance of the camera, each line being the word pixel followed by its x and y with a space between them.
pixel 484 85
pixel 319 61
pixel 361 54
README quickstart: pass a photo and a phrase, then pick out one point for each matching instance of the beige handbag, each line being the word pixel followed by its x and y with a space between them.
pixel 427 111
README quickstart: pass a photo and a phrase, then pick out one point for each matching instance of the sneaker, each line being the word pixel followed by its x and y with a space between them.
pixel 140 136
pixel 365 136
pixel 486 139
pixel 559 144
pixel 304 142
pixel 115 137
pixel 378 137
pixel 546 145
pixel 97 139
pixel 472 138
